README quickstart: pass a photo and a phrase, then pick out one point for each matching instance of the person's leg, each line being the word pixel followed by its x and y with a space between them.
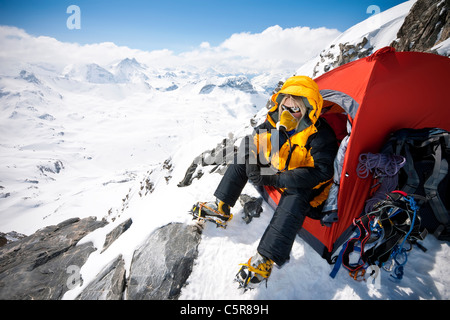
pixel 235 178
pixel 232 183
pixel 276 242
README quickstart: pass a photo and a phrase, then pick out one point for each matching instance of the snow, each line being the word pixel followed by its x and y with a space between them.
pixel 85 138
pixel 379 29
pixel 443 48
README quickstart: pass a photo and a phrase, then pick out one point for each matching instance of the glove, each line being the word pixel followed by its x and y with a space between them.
pixel 250 168
pixel 257 179
pixel 288 121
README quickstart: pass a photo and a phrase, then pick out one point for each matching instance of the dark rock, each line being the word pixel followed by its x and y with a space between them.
pixel 426 25
pixel 5 195
pixel 239 83
pixel 30 77
pixel 116 233
pixel 10 236
pixel 161 266
pixel 171 88
pixel 51 167
pixel 46 264
pixel 109 283
pixel 219 158
pixel 3 241
pixel 207 89
pixel 347 53
pixel 36 267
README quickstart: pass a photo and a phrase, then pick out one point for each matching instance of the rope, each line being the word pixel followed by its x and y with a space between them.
pixel 379 164
pixel 383 166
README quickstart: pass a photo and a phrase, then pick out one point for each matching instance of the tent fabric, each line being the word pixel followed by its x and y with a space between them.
pixel 382 93
pixel 343 100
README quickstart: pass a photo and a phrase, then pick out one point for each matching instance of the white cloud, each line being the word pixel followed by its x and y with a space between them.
pixel 16 46
pixel 205 45
pixel 274 48
pixel 297 44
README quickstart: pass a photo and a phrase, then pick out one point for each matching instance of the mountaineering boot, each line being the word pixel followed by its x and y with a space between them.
pixel 223 208
pixel 256 270
pixel 217 212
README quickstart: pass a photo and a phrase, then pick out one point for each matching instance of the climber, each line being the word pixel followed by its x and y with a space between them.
pixel 293 151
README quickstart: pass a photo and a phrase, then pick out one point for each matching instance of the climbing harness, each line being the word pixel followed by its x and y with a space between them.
pixel 381 237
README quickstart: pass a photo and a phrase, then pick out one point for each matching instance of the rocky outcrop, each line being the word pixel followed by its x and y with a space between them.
pixel 116 233
pixel 350 52
pixel 347 53
pixel 46 264
pixel 240 83
pixel 340 54
pixel 109 284
pixel 161 266
pixel 427 24
pixel 38 266
pixel 218 157
pixel 9 237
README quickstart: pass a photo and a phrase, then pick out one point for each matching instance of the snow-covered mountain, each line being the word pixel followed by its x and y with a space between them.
pixel 129 70
pixel 112 140
pixel 360 40
pixel 381 30
pixel 107 119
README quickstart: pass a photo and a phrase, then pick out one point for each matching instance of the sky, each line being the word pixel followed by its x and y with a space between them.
pixel 179 25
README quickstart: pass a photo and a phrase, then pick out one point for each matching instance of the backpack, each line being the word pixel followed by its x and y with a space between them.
pixel 425 173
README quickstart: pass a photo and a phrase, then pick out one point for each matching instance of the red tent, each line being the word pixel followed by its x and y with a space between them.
pixel 382 93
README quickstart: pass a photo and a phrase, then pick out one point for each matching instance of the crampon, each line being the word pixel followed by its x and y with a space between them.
pixel 256 271
pixel 203 211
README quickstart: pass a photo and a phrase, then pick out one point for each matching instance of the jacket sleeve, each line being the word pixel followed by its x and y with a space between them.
pixel 323 150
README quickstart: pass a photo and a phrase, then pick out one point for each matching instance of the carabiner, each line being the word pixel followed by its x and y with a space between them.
pixel 358 275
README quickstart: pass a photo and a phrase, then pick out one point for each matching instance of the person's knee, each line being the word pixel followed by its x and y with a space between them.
pixel 295 202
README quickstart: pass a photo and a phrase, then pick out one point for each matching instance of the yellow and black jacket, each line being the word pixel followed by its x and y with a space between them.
pixel 305 159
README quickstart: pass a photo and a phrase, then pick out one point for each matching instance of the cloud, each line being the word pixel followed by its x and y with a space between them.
pixel 297 44
pixel 273 48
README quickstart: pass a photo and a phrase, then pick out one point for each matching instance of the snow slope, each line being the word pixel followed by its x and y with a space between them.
pixel 113 140
pixel 379 30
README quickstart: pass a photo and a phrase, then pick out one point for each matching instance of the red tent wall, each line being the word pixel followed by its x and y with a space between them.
pixel 394 90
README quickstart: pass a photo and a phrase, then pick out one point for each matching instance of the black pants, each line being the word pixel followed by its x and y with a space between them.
pixel 277 241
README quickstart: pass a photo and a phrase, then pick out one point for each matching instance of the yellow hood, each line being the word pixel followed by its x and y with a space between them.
pixel 305 87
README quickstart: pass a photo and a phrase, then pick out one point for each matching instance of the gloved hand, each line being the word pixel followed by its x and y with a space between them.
pixel 257 179
pixel 250 168
pixel 288 121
